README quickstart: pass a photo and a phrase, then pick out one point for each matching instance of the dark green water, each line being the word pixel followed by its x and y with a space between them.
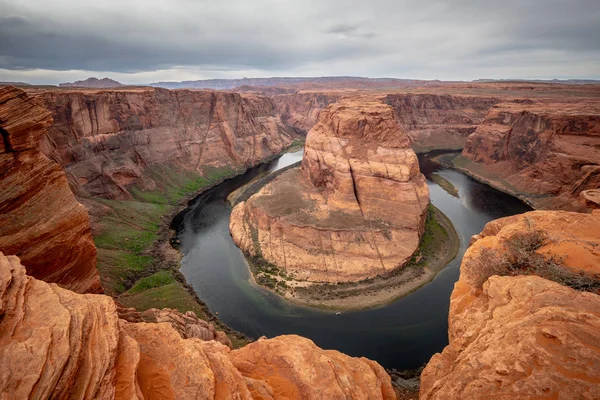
pixel 402 335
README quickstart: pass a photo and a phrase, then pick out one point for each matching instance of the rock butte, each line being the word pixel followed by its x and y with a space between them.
pixel 40 220
pixel 55 343
pixel 356 209
pixel 546 152
pixel 523 336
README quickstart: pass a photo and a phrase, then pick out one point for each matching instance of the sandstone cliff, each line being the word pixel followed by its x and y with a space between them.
pixel 439 121
pixel 58 344
pixel 111 140
pixel 40 220
pixel 546 152
pixel 523 336
pixel 301 109
pixel 356 209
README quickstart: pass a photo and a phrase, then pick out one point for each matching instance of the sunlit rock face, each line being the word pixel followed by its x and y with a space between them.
pixel 40 220
pixel 55 343
pixel 524 336
pixel 355 209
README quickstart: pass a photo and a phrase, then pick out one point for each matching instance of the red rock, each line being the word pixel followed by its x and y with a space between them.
pixel 58 344
pixel 108 140
pixel 522 336
pixel 545 151
pixel 40 220
pixel 355 210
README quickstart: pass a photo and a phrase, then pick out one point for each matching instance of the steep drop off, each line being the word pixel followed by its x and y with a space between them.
pixel 546 152
pixel 356 209
pixel 40 220
pixel 109 141
pixel 523 336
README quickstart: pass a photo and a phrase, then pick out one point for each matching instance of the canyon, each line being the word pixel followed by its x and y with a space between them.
pixel 331 220
pixel 124 153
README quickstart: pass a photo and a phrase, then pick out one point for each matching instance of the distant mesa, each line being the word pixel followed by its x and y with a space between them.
pixel 93 83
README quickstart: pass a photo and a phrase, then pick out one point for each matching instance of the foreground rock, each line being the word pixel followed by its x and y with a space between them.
pixel 40 220
pixel 356 209
pixel 522 336
pixel 113 141
pixel 58 344
pixel 546 152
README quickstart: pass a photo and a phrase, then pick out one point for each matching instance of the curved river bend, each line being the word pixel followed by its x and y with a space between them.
pixel 403 334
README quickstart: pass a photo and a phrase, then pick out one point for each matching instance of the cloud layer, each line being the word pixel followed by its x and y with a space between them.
pixel 141 41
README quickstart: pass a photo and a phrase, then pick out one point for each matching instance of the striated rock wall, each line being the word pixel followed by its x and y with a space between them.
pixel 522 336
pixel 109 140
pixel 301 109
pixel 439 121
pixel 40 220
pixel 547 152
pixel 58 344
pixel 356 209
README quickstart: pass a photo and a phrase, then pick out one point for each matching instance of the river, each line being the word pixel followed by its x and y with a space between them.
pixel 403 334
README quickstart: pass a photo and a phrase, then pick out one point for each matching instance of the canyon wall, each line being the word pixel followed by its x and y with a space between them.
pixel 439 121
pixel 58 344
pixel 356 209
pixel 40 220
pixel 432 121
pixel 524 336
pixel 111 140
pixel 546 152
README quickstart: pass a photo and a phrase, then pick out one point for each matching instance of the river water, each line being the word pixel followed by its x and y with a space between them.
pixel 403 334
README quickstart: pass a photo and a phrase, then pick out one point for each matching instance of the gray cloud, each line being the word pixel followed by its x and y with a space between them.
pixel 460 39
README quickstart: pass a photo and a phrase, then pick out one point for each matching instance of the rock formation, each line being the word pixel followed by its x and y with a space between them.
pixel 439 121
pixel 92 82
pixel 58 344
pixel 522 336
pixel 40 220
pixel 356 209
pixel 546 152
pixel 111 140
pixel 301 109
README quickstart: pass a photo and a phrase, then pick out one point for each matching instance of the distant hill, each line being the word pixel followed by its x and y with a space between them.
pixel 93 83
pixel 316 82
pixel 561 81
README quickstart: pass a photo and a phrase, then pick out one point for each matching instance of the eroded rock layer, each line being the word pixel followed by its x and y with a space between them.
pixel 522 336
pixel 547 152
pixel 439 121
pixel 356 208
pixel 58 344
pixel 40 220
pixel 110 140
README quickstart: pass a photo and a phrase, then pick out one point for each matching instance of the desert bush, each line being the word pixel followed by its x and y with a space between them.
pixel 520 257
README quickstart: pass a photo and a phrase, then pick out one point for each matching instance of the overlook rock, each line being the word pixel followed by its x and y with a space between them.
pixel 40 220
pixel 58 344
pixel 545 151
pixel 522 336
pixel 354 210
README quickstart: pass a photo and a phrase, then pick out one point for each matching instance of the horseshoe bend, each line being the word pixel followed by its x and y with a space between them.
pixel 355 208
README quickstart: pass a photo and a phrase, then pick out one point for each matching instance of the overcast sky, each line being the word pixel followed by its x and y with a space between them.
pixel 142 41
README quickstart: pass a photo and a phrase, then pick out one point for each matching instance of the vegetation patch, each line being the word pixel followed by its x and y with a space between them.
pixel 521 257
pixel 161 278
pixel 444 184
